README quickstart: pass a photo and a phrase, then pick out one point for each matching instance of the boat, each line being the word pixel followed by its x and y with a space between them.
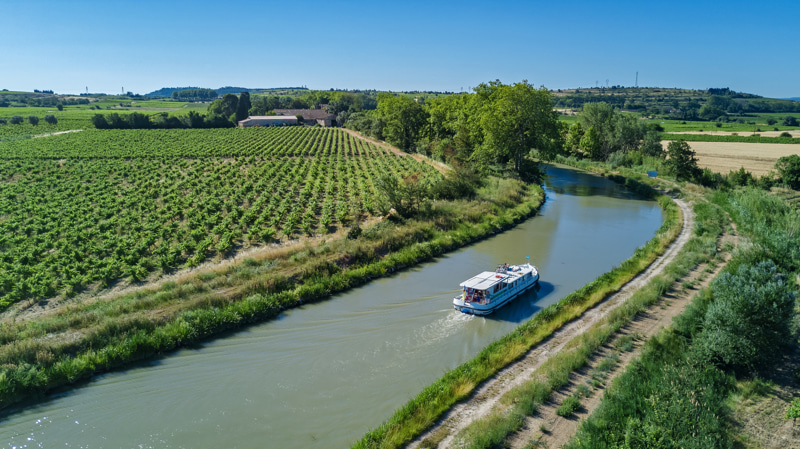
pixel 490 290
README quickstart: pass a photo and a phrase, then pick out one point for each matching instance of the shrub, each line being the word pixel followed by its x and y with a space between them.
pixel 568 407
pixel 789 170
pixel 771 121
pixel 354 232
pixel 749 319
pixel 16 120
pixel 50 119
pixel 785 134
pixel 33 120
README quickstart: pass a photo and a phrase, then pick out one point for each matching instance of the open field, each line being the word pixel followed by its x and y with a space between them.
pixel 90 208
pixel 757 158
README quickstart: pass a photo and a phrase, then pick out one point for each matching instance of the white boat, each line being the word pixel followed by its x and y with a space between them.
pixel 488 291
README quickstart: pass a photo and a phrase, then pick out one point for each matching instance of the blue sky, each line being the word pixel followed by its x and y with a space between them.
pixel 406 45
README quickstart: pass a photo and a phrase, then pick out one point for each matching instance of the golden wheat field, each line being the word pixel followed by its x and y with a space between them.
pixel 757 158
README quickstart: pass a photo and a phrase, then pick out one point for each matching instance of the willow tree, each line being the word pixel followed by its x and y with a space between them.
pixel 517 120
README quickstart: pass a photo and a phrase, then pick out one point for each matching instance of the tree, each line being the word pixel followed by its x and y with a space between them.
pixel 790 121
pixel 60 107
pixel 749 319
pixel 193 120
pixel 789 170
pixel 681 159
pixel 404 119
pixel 16 120
pixel 33 120
pixel 711 112
pixel 651 144
pixel 600 116
pixel 771 121
pixel 224 108
pixel 243 108
pixel 591 144
pixel 50 119
pixel 573 139
pixel 99 121
pixel 516 120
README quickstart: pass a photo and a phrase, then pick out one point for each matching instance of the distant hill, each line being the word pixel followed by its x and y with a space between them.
pixel 793 98
pixel 167 91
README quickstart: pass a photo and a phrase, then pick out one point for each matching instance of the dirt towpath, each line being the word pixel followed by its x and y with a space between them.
pixel 487 396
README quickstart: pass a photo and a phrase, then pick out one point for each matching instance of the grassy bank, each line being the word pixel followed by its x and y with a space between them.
pixel 524 400
pixel 77 341
pixel 421 412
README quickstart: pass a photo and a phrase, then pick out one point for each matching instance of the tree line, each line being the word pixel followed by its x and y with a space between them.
pixel 194 94
pixel 499 129
pixel 224 112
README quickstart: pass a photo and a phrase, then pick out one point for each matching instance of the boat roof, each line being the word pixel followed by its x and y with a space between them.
pixel 484 280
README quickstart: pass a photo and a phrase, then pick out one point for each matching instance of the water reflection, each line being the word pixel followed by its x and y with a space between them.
pixel 565 181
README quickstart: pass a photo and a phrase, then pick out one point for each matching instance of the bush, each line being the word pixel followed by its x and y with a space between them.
pixel 789 170
pixel 749 318
pixel 568 407
pixel 33 120
pixel 617 159
pixel 16 120
pixel 354 232
pixel 771 121
pixel 2 121
pixel 785 134
pixel 461 182
pixel 50 119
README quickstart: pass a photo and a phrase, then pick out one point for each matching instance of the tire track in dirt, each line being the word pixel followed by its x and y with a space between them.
pixel 487 395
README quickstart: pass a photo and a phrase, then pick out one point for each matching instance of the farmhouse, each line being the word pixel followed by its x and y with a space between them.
pixel 310 116
pixel 268 120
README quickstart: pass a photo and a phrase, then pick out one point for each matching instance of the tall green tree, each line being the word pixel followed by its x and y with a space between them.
pixel 243 107
pixel 404 118
pixel 681 159
pixel 516 120
pixel 224 108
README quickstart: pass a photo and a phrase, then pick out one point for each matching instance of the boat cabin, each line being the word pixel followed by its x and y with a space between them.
pixel 480 288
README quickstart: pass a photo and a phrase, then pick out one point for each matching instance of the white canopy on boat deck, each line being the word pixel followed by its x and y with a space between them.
pixel 484 281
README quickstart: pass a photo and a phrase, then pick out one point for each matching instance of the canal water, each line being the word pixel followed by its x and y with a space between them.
pixel 321 375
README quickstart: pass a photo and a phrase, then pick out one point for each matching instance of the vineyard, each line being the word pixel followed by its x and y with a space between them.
pixel 90 208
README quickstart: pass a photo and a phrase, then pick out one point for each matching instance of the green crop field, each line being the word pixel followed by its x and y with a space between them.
pixel 86 209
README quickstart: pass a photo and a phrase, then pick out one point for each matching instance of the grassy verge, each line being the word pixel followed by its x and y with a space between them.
pixel 554 373
pixel 60 348
pixel 716 138
pixel 421 412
